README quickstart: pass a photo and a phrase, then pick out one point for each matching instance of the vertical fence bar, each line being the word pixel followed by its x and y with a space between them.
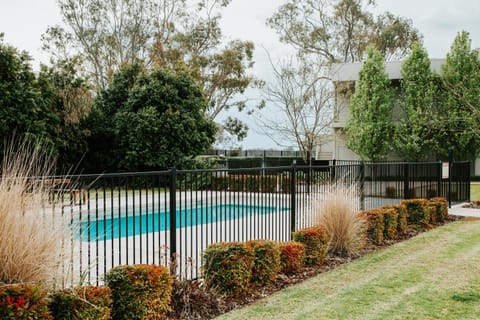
pixel 406 194
pixel 362 185
pixel 173 216
pixel 293 195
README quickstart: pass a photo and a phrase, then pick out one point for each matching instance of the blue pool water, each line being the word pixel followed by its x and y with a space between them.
pixel 158 221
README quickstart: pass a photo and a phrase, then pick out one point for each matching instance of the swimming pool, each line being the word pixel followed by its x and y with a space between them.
pixel 147 222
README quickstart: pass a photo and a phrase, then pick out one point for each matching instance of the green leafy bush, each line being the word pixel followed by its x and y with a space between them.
pixel 375 225
pixel 227 268
pixel 23 302
pixel 315 240
pixel 139 291
pixel 84 303
pixel 390 218
pixel 401 210
pixel 292 257
pixel 266 262
pixel 417 211
pixel 441 208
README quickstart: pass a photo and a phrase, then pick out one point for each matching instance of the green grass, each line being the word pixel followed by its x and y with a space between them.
pixel 475 191
pixel 435 275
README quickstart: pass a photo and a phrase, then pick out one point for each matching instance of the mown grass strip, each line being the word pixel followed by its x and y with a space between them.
pixel 435 275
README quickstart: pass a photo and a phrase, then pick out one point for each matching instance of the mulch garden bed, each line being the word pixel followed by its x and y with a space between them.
pixel 192 301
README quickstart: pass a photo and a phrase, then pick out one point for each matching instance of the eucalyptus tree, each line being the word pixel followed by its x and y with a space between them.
pixel 370 127
pixel 301 105
pixel 158 33
pixel 340 30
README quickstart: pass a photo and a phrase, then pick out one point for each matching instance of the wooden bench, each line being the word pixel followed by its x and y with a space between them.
pixel 60 186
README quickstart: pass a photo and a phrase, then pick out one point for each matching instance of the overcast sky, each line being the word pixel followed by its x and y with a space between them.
pixel 24 21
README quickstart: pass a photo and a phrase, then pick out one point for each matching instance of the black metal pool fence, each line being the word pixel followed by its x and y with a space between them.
pixel 160 217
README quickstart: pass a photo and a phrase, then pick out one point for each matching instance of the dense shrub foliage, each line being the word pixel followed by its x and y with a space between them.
pixel 139 291
pixel 84 303
pixel 441 207
pixel 266 262
pixel 315 240
pixel 23 302
pixel 227 268
pixel 401 217
pixel 417 211
pixel 390 218
pixel 375 225
pixel 292 257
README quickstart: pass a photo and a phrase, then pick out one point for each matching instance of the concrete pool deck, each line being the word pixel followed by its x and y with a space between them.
pixel 458 210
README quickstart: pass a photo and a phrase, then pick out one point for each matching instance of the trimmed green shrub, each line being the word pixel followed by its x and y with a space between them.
pixel 266 262
pixel 375 225
pixel 227 268
pixel 292 257
pixel 417 211
pixel 24 302
pixel 139 291
pixel 315 240
pixel 432 211
pixel 390 218
pixel 84 303
pixel 402 219
pixel 441 206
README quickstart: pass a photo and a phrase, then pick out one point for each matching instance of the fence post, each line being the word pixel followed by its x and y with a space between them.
pixel 406 193
pixel 293 194
pixel 439 179
pixel 332 170
pixel 173 217
pixel 468 181
pixel 362 185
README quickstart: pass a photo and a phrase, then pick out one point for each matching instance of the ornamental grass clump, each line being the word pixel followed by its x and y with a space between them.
pixel 31 232
pixel 339 216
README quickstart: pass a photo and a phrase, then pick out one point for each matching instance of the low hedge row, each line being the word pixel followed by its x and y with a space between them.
pixel 25 302
pixel 388 222
pixel 84 303
pixel 231 269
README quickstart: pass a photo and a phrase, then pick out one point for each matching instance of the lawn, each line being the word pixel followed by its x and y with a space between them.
pixel 475 191
pixel 435 275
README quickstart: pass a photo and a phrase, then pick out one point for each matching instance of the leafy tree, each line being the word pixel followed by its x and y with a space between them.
pixel 167 33
pixel 461 76
pixel 417 129
pixel 70 99
pixel 149 120
pixel 370 128
pixel 340 30
pixel 22 108
pixel 305 99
